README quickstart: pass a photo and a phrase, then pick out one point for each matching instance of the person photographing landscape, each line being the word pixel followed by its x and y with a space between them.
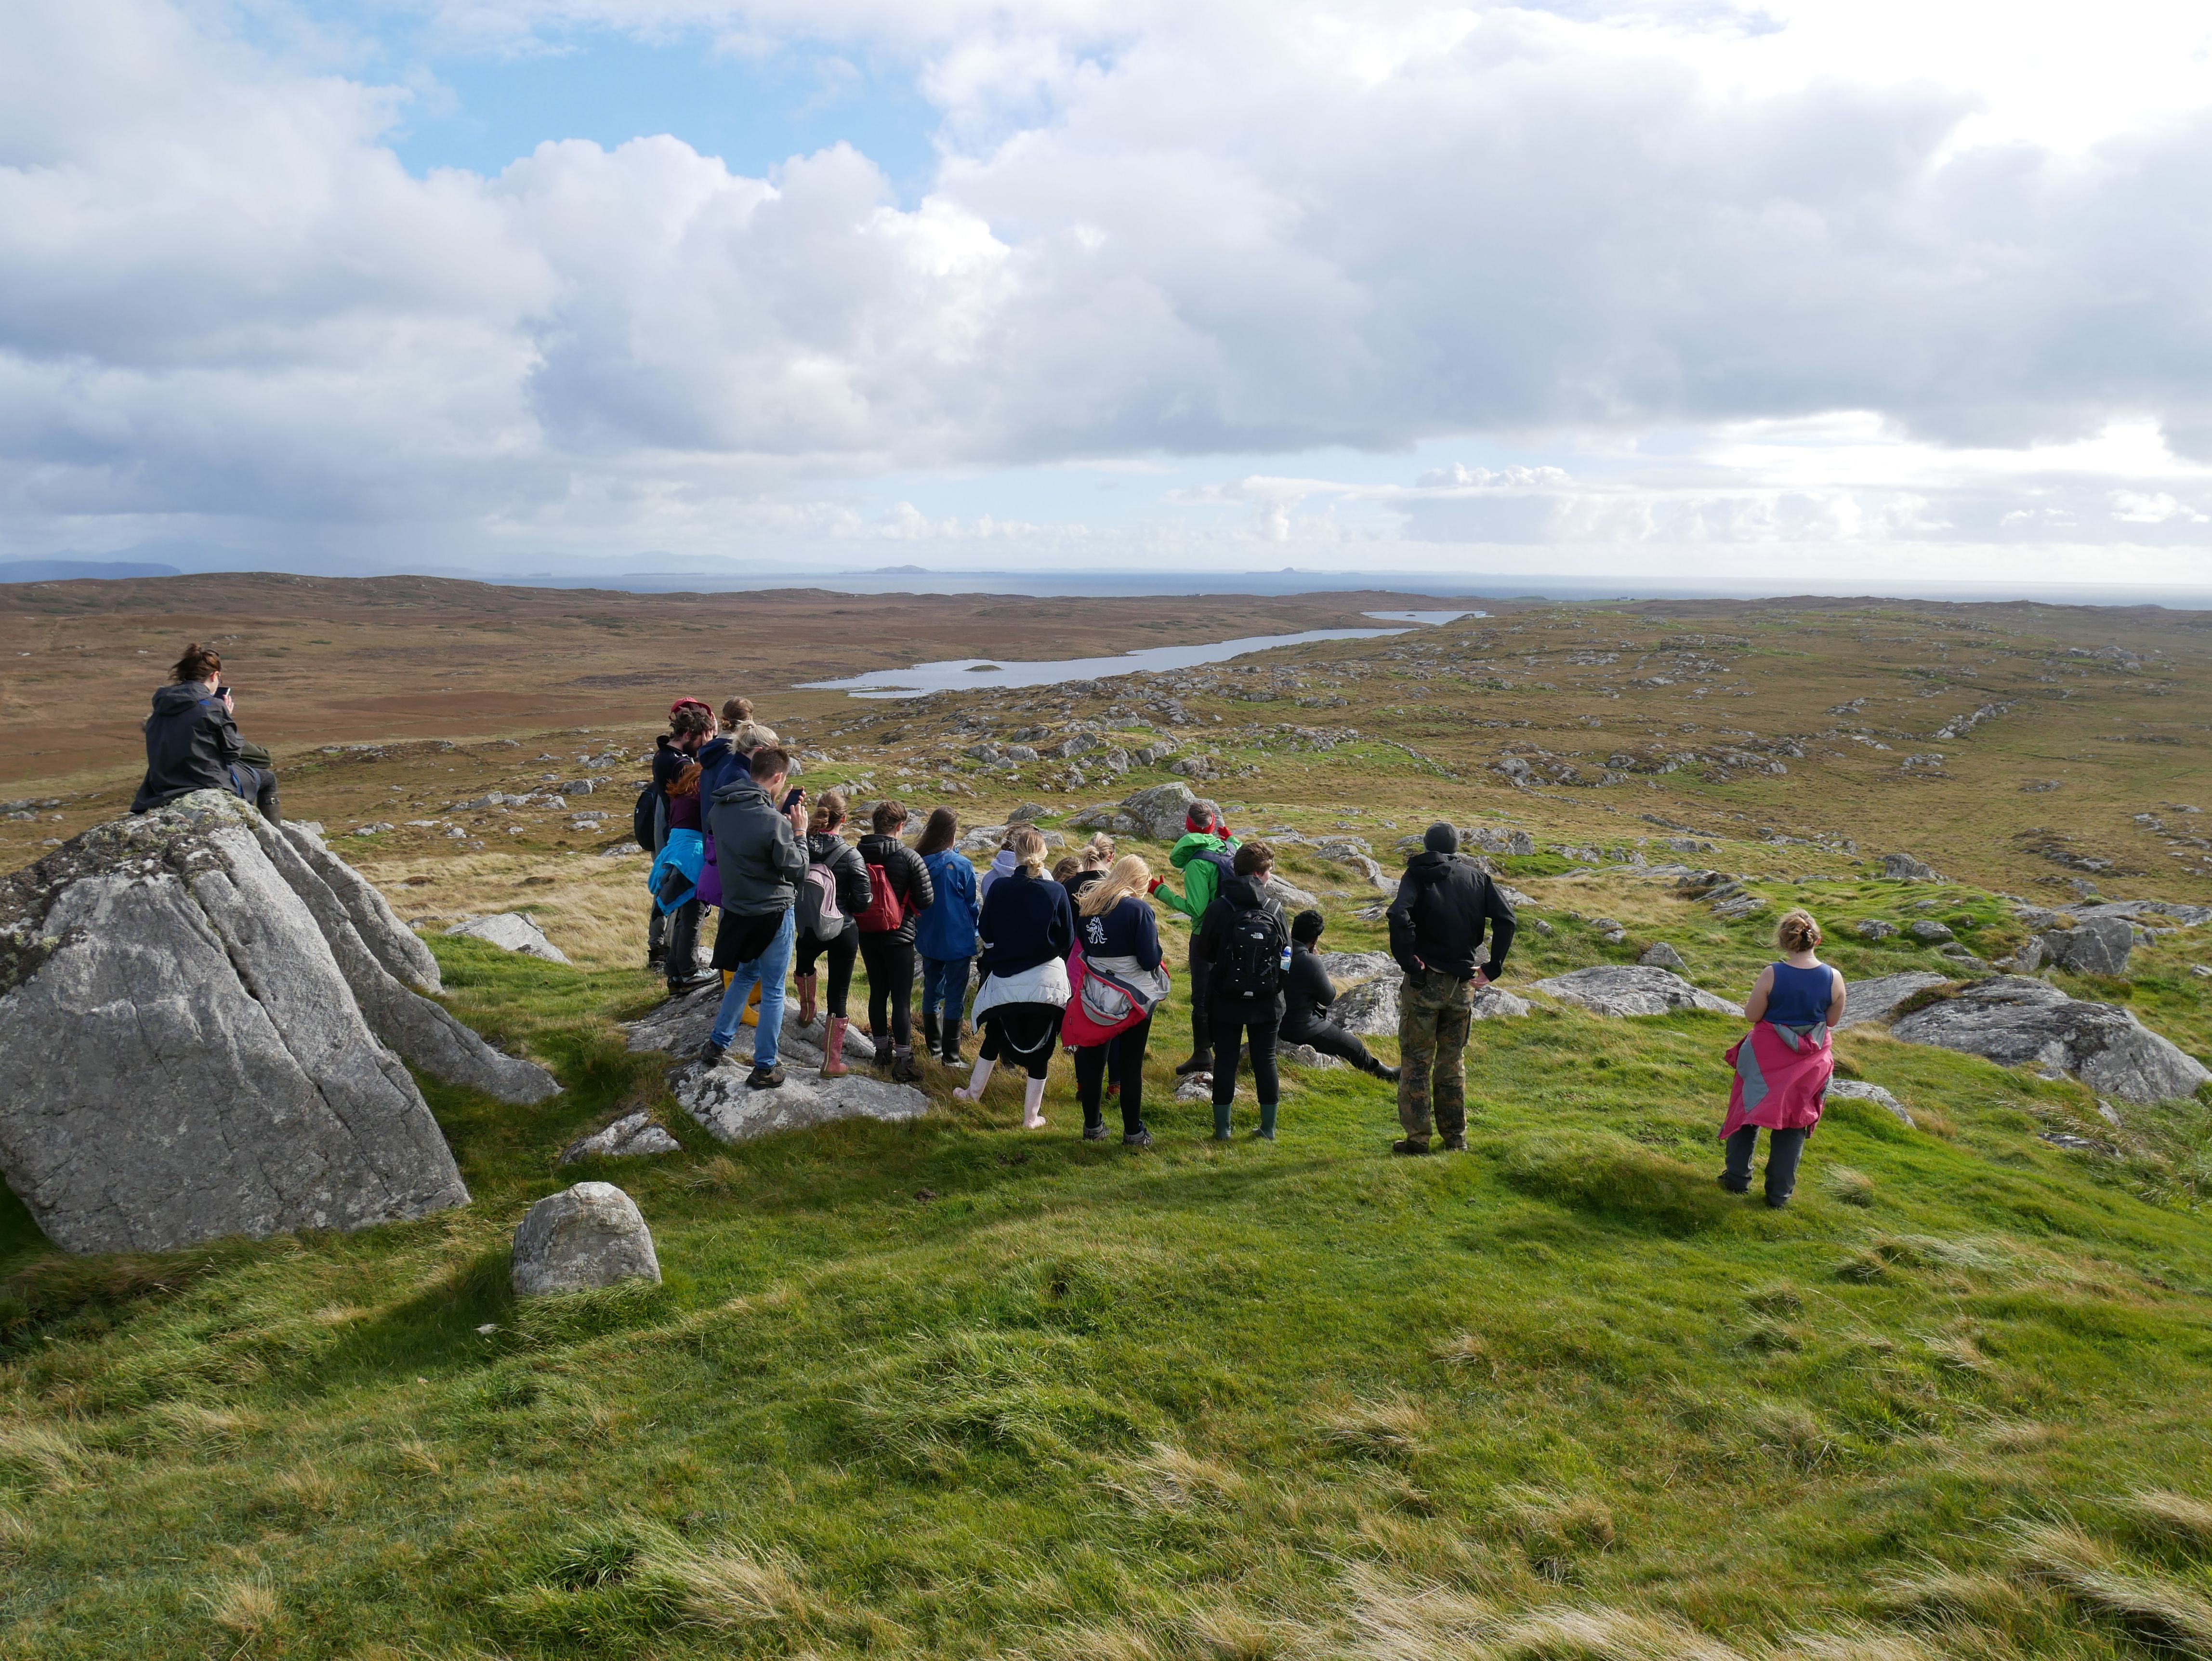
pixel 192 741
pixel 1246 947
pixel 1783 1064
pixel 1445 902
pixel 760 853
pixel 1204 855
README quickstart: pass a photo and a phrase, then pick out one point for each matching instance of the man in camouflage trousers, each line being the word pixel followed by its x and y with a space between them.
pixel 1445 902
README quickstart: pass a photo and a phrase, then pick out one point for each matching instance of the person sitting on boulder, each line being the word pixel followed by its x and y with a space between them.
pixel 1204 855
pixel 1783 1065
pixel 192 741
pixel 1308 998
pixel 1445 901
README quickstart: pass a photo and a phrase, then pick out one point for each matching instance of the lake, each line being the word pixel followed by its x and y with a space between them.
pixel 965 674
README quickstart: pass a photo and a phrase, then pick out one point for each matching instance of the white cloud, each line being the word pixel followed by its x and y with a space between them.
pixel 1156 230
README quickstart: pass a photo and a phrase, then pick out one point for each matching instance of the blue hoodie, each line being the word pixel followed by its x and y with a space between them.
pixel 947 930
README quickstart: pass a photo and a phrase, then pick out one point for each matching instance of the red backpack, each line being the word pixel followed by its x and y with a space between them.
pixel 885 913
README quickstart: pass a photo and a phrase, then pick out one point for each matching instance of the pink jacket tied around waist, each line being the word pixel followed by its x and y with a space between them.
pixel 1782 1075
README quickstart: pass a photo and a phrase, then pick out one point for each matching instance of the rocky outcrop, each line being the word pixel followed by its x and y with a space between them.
pixel 392 942
pixel 186 1058
pixel 511 932
pixel 423 1032
pixel 730 1111
pixel 2099 945
pixel 1613 989
pixel 591 1235
pixel 2018 1022
pixel 1350 968
pixel 1903 867
pixel 1370 1009
pixel 1874 999
pixel 1159 812
pixel 680 1025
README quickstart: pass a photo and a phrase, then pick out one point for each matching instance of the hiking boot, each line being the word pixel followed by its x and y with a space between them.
pixel 711 1054
pixel 1408 1146
pixel 1775 1203
pixel 764 1078
pixel 883 1052
pixel 1389 1074
pixel 679 984
pixel 1195 1064
pixel 952 1056
pixel 1734 1188
pixel 1142 1139
pixel 903 1071
pixel 1095 1133
pixel 930 1043
pixel 1455 1144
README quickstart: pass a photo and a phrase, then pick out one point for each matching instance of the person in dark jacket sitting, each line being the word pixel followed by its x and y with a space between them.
pixel 1309 997
pixel 889 952
pixel 192 741
pixel 1028 928
pixel 826 846
pixel 1120 937
pixel 1246 946
pixel 1445 902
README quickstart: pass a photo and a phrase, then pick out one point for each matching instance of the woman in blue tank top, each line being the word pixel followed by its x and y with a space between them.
pixel 1804 997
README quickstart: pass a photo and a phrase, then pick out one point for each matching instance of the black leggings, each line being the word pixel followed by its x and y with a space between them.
pixel 1126 1052
pixel 891 981
pixel 260 789
pixel 1202 992
pixel 1022 1035
pixel 841 952
pixel 1333 1040
pixel 1260 1022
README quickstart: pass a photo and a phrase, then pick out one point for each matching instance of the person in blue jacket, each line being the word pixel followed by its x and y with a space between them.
pixel 946 938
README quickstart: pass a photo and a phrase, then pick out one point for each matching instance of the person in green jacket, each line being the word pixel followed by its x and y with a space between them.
pixel 1203 856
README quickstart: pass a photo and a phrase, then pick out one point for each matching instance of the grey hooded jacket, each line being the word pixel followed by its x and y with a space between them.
pixel 760 858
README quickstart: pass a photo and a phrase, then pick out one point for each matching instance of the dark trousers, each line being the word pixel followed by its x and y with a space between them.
pixel 683 941
pixel 1022 1035
pixel 1232 1023
pixel 944 986
pixel 1202 1018
pixel 259 785
pixel 891 987
pixel 1333 1040
pixel 656 936
pixel 1783 1149
pixel 841 953
pixel 1126 1052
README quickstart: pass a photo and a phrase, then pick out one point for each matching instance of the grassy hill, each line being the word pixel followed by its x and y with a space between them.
pixel 950 1389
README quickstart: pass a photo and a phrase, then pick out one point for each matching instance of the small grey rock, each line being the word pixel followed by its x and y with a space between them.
pixel 1660 955
pixel 1873 929
pixel 1304 1054
pixel 511 932
pixel 1858 1089
pixel 1903 867
pixel 591 1235
pixel 631 1136
pixel 1929 932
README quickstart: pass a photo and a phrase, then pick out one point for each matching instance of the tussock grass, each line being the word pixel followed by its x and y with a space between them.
pixel 1170 1478
pixel 1850 1187
pixel 1390 1427
pixel 2181 1519
pixel 2152 1608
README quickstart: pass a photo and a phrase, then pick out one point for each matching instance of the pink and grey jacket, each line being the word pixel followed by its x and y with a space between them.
pixel 1782 1075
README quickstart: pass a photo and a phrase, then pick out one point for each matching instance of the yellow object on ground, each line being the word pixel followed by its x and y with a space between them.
pixel 751 1017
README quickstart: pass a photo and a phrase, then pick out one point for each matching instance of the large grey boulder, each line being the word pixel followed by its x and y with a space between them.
pixel 1370 1010
pixel 2100 945
pixel 591 1235
pixel 1160 812
pixel 184 1056
pixel 1859 1090
pixel 1350 968
pixel 392 942
pixel 2019 1022
pixel 1292 899
pixel 1874 999
pixel 732 1111
pixel 424 1033
pixel 1613 989
pixel 511 932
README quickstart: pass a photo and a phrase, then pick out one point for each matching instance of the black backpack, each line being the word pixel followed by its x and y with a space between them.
pixel 1252 953
pixel 642 818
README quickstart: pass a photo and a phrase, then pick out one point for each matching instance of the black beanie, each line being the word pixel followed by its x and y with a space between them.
pixel 1441 838
pixel 1306 926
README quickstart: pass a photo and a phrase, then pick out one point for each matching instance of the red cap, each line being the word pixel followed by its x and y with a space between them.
pixel 687 703
pixel 1198 819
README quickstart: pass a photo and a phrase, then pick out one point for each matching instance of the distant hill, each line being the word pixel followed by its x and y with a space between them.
pixel 64 570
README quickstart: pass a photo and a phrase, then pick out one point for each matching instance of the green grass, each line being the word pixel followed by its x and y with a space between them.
pixel 945 1389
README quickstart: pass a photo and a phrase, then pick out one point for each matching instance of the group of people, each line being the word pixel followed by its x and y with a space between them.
pixel 1068 958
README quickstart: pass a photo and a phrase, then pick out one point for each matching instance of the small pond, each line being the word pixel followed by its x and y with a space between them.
pixel 962 674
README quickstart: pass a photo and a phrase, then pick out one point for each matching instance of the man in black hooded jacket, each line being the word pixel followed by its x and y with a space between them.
pixel 1436 924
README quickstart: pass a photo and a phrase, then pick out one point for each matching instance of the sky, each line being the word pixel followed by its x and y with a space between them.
pixel 1811 293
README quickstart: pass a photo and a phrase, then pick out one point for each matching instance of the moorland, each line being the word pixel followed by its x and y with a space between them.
pixel 949 1388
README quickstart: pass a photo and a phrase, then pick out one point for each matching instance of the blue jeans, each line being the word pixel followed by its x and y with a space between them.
pixel 768 970
pixel 945 984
